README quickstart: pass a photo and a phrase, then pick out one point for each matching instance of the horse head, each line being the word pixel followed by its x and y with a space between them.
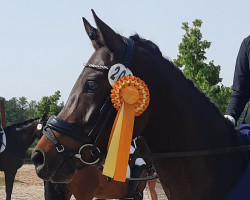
pixel 88 115
pixel 25 132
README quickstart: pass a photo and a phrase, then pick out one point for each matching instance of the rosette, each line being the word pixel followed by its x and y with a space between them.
pixel 130 96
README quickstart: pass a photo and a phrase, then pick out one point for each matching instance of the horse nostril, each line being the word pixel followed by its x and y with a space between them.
pixel 37 158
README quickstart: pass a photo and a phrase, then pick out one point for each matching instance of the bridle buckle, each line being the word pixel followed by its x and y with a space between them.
pixel 60 148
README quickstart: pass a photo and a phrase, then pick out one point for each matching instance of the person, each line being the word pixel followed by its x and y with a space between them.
pixel 151 187
pixel 136 172
pixel 2 140
pixel 241 86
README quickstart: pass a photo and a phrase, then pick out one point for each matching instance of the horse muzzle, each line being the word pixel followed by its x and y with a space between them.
pixel 59 169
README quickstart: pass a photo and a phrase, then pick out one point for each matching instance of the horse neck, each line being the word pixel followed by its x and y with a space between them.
pixel 184 120
pixel 183 109
pixel 21 137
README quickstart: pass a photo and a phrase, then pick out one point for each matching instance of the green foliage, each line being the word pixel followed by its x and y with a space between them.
pixel 192 59
pixel 49 105
pixel 27 159
pixel 19 109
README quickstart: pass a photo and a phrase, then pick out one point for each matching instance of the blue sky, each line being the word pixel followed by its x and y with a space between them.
pixel 43 43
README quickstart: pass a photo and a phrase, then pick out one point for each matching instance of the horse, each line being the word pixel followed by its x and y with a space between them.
pixel 90 182
pixel 52 191
pixel 56 191
pixel 19 138
pixel 99 186
pixel 94 184
pixel 179 119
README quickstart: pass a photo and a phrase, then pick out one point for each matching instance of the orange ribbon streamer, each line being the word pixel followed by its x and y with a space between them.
pixel 125 142
pixel 130 97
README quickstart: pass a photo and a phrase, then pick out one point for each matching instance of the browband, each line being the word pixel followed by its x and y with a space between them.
pixel 130 44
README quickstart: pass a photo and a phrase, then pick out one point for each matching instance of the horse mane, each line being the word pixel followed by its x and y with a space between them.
pixel 167 65
pixel 147 44
pixel 21 124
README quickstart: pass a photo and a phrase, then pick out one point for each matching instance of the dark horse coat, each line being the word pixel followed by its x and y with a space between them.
pixel 179 118
pixel 19 138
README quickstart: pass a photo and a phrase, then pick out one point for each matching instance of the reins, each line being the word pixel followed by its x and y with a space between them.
pixel 195 153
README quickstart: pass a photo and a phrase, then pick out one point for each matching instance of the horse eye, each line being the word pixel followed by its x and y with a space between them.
pixel 90 86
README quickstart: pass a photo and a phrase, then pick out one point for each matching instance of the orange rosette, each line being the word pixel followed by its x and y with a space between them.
pixel 130 96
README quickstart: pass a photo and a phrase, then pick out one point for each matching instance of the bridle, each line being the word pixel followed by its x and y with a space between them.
pixel 93 138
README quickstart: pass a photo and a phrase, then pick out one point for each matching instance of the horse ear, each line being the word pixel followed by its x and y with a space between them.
pixel 93 34
pixel 108 37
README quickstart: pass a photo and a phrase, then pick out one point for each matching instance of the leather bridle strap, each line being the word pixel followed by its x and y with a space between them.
pixel 104 110
pixel 195 153
pixel 50 135
pixel 59 147
pixel 63 127
pixel 98 137
pixel 107 106
pixel 66 128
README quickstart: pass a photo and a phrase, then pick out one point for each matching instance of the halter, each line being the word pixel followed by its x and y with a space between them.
pixel 63 127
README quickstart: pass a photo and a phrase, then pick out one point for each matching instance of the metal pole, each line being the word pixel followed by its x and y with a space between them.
pixel 3 114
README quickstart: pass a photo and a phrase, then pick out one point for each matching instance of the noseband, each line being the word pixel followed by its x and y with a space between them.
pixel 92 139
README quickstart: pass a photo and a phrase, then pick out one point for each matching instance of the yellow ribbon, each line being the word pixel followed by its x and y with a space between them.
pixel 130 96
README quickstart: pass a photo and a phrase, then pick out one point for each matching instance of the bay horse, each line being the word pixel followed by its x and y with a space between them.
pixel 89 182
pixel 179 118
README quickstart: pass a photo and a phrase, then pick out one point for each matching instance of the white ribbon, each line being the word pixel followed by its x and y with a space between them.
pixel 3 145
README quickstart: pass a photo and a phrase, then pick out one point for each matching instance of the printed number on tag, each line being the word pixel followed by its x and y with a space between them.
pixel 118 71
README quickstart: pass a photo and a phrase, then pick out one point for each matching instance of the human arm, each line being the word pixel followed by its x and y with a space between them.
pixel 241 83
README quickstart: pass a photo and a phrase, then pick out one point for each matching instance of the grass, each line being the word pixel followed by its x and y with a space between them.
pixel 2 182
pixel 27 159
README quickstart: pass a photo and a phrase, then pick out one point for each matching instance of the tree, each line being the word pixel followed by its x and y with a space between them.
pixel 12 111
pixel 49 105
pixel 192 59
pixel 31 108
pixel 23 104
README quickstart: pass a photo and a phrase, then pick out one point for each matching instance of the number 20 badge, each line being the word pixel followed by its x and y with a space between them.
pixel 118 71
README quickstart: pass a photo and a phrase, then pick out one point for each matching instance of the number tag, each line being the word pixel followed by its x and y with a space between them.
pixel 118 71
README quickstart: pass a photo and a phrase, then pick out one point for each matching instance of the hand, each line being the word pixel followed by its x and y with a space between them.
pixel 230 118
